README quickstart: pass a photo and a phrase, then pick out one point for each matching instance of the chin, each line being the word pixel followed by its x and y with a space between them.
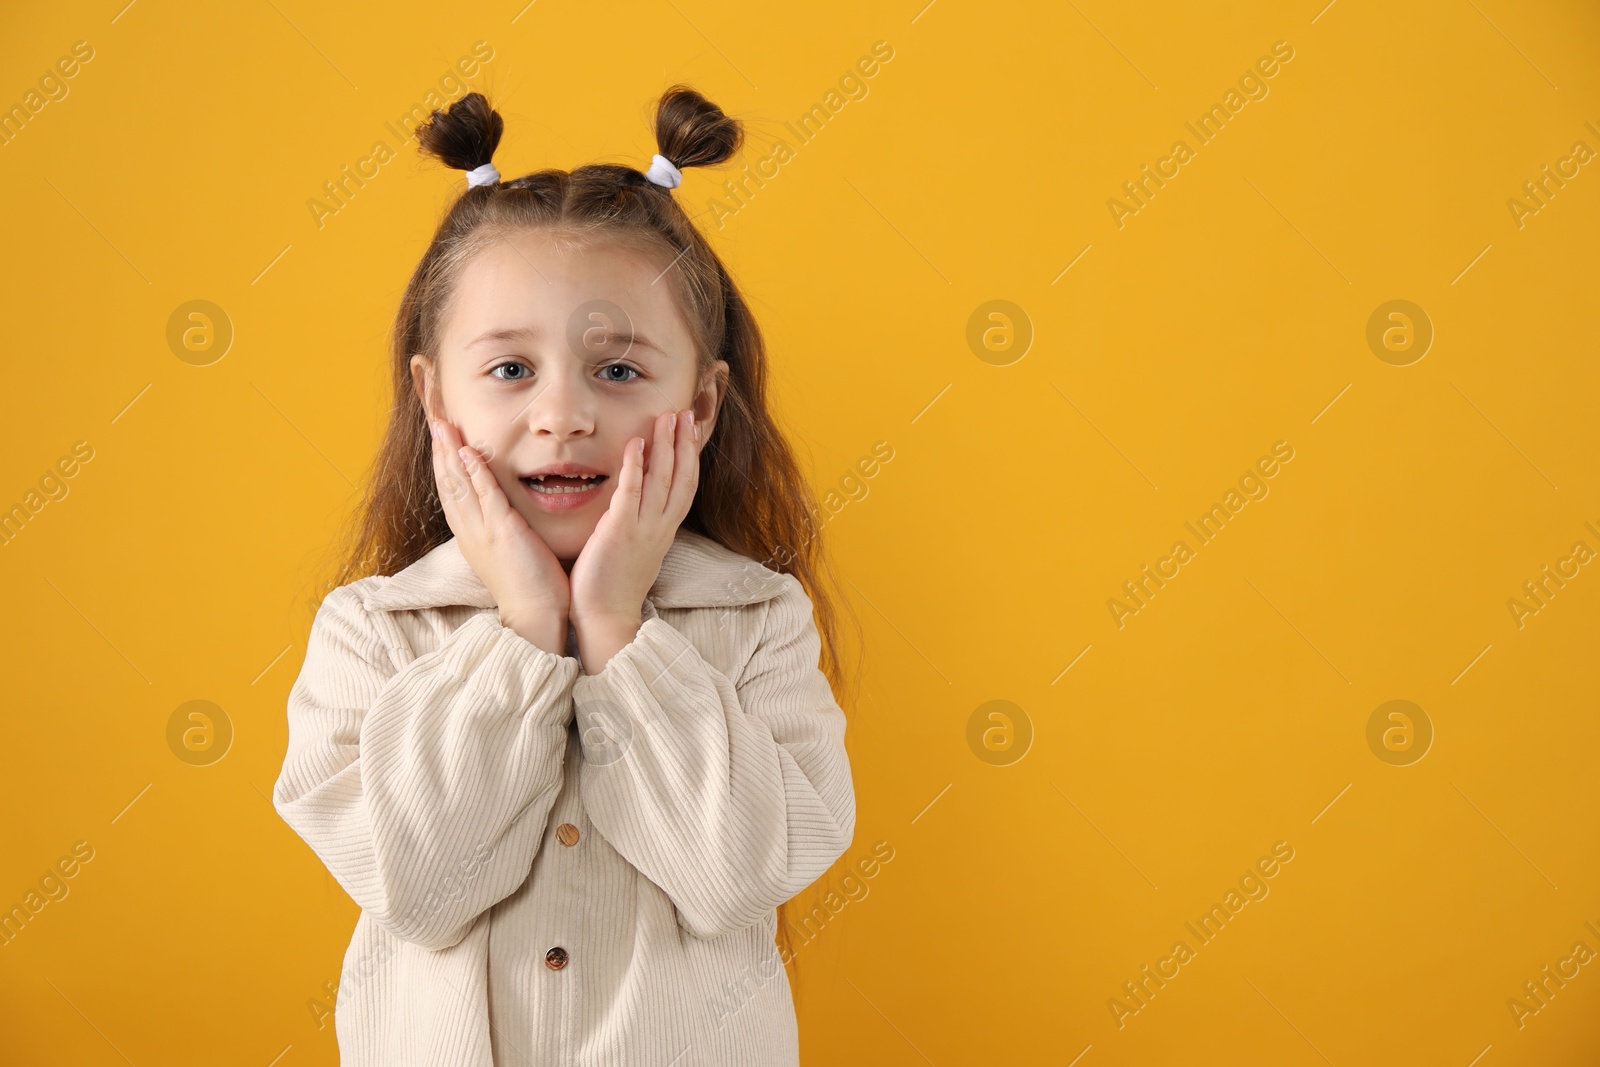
pixel 566 544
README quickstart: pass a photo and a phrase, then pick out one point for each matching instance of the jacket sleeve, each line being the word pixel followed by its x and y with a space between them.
pixel 730 796
pixel 424 790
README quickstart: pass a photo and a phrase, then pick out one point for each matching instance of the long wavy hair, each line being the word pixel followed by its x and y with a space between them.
pixel 752 497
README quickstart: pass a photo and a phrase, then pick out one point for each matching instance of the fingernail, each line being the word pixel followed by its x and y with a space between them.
pixel 433 428
pixel 466 457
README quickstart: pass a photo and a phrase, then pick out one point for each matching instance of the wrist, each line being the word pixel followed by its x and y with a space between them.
pixel 532 612
pixel 544 627
pixel 601 636
pixel 595 619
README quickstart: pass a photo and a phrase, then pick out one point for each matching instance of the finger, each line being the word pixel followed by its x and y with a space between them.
pixel 658 478
pixel 441 477
pixel 491 498
pixel 448 497
pixel 630 483
pixel 686 465
pixel 454 484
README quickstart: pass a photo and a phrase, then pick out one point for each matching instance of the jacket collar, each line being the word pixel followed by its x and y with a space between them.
pixel 696 572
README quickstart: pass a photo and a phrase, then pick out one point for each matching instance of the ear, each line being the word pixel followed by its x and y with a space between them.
pixel 708 401
pixel 426 385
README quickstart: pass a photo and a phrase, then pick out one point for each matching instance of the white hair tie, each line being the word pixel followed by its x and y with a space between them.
pixel 663 173
pixel 484 175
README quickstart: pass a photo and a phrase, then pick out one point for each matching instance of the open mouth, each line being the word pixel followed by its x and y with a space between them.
pixel 554 484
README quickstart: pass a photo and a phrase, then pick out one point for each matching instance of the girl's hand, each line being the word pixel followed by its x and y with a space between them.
pixel 622 558
pixel 522 574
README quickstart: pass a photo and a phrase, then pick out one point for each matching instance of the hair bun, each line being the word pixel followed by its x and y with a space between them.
pixel 691 131
pixel 463 136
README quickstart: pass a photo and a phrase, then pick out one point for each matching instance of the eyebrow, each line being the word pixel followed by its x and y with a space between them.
pixel 528 333
pixel 505 333
pixel 637 339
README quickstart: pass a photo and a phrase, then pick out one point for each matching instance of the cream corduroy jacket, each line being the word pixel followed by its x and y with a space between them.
pixel 562 868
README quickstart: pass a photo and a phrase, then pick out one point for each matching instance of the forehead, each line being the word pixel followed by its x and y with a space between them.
pixel 532 278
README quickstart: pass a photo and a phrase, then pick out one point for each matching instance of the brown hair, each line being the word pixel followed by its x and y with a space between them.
pixel 752 496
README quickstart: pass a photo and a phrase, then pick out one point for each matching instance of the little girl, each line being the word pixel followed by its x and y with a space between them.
pixel 561 737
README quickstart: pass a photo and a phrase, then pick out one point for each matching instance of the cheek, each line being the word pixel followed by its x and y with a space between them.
pixel 494 438
pixel 471 426
pixel 640 423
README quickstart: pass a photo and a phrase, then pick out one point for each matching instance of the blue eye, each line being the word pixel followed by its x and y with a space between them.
pixel 524 372
pixel 620 366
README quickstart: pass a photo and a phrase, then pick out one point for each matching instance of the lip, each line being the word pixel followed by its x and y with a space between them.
pixel 571 470
pixel 567 501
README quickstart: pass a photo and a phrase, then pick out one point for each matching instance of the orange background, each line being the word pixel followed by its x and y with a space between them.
pixel 1028 482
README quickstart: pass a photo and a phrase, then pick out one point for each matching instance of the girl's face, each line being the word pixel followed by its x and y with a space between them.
pixel 552 355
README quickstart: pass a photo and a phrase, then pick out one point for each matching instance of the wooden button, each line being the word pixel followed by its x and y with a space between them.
pixel 556 958
pixel 567 834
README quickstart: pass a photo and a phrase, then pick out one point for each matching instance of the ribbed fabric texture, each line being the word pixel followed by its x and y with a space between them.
pixel 485 802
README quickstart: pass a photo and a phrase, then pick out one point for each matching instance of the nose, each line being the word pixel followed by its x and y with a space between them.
pixel 563 407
